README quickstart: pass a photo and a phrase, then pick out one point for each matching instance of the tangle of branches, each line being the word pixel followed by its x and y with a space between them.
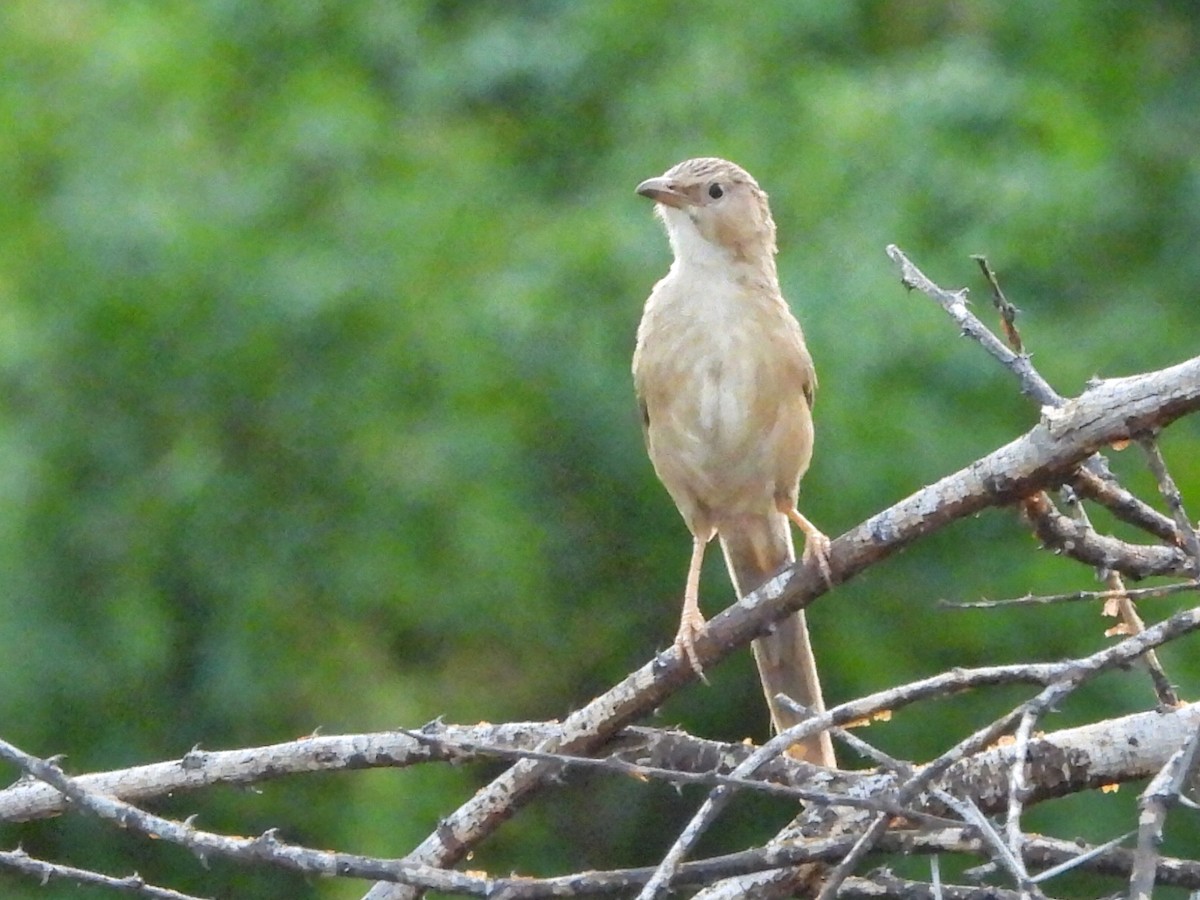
pixel 971 800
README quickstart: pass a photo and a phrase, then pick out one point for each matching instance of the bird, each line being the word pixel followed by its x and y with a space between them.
pixel 725 385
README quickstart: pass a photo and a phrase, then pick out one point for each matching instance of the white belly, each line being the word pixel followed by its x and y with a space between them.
pixel 722 439
pixel 721 375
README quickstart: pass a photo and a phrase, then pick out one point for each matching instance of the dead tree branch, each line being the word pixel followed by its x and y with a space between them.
pixel 941 806
pixel 1069 435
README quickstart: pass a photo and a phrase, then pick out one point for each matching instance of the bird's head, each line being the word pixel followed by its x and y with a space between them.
pixel 710 201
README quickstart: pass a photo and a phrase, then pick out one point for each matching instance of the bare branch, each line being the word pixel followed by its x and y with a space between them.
pixel 31 799
pixel 1052 695
pixel 1170 493
pixel 1033 385
pixel 21 862
pixel 1166 590
pixel 1045 456
pixel 921 780
pixel 1132 747
pixel 1070 538
pixel 905 791
pixel 265 848
pixel 1095 470
pixel 1066 677
pixel 1018 787
pixel 1121 606
pixel 773 866
pixel 1161 793
pixel 997 849
pixel 1008 312
pixel 1124 505
pixel 1132 623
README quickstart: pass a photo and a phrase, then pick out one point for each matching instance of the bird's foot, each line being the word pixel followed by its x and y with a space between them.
pixel 816 544
pixel 691 624
pixel 816 549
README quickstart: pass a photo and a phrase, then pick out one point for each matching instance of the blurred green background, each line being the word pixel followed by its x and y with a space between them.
pixel 315 327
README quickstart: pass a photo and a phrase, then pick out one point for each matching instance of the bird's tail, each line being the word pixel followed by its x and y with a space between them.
pixel 756 548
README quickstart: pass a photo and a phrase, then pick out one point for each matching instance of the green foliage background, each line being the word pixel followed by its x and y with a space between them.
pixel 315 323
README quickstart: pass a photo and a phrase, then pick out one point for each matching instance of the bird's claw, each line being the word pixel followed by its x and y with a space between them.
pixel 685 641
pixel 817 549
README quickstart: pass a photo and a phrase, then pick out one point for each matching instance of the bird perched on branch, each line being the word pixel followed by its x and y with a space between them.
pixel 725 383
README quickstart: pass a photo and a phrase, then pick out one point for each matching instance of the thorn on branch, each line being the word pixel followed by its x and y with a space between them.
pixel 1068 537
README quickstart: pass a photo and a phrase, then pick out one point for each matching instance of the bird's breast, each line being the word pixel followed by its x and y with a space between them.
pixel 728 419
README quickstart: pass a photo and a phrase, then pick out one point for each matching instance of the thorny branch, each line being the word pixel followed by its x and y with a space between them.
pixel 1107 554
pixel 1061 679
pixel 1067 437
pixel 1050 750
pixel 1170 493
pixel 1001 769
pixel 267 847
pixel 1165 790
pixel 44 872
pixel 1166 590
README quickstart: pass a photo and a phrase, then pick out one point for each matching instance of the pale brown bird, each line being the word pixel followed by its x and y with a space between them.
pixel 726 384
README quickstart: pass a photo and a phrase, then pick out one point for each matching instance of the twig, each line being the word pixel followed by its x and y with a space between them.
pixel 1080 517
pixel 855 743
pixel 1132 623
pixel 21 862
pixel 1160 794
pixel 1033 385
pixel 1165 590
pixel 617 766
pixel 1085 856
pixel 1124 505
pixel 1068 537
pixel 1008 312
pixel 1018 786
pixel 1122 607
pixel 1170 493
pixel 935 876
pixel 997 849
pixel 1048 698
pixel 266 847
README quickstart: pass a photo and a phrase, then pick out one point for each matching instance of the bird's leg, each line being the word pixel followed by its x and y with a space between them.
pixel 691 623
pixel 816 544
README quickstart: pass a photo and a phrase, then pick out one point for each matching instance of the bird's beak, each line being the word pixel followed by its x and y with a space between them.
pixel 663 190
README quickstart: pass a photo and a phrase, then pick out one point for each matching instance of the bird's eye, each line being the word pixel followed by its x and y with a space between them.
pixel 716 191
